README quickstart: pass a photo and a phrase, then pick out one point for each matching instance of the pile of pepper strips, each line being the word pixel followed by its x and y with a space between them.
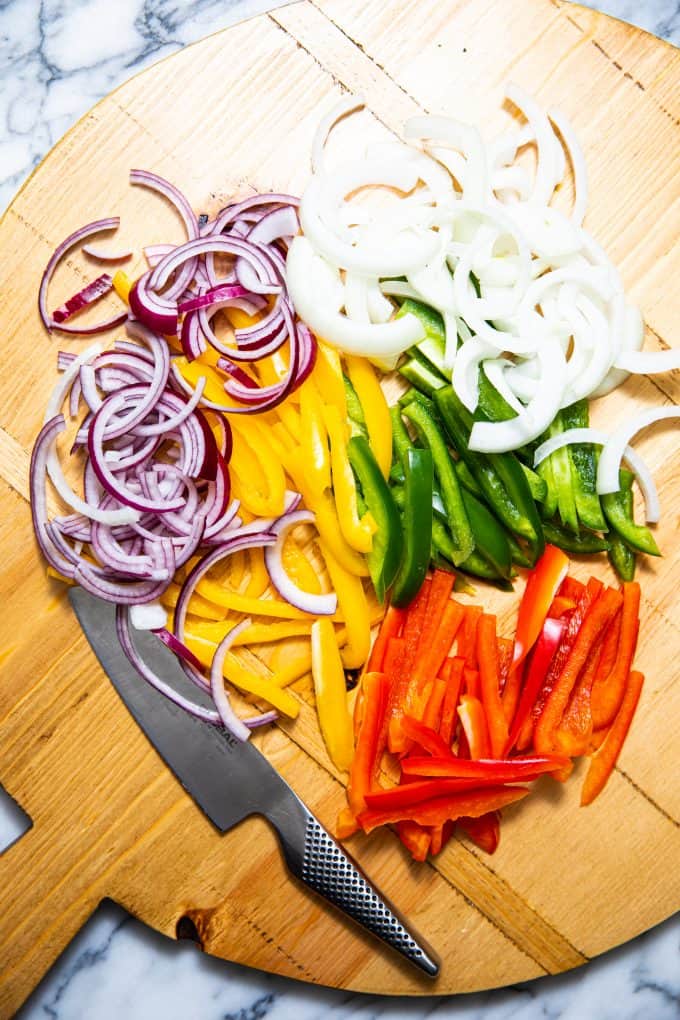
pixel 459 732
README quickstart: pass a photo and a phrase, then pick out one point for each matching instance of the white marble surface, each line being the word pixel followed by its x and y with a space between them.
pixel 57 57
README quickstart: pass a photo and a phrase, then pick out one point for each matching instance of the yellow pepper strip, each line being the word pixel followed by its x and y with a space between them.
pixel 252 607
pixel 326 518
pixel 376 412
pixel 292 671
pixel 357 532
pixel 214 390
pixel 236 674
pixel 255 634
pixel 240 319
pixel 354 607
pixel 331 695
pixel 314 436
pixel 291 419
pixel 122 284
pixel 298 567
pixel 258 582
pixel 197 605
pixel 327 374
pixel 257 477
pixel 51 572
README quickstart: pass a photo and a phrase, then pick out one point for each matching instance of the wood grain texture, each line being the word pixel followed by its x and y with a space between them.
pixel 108 818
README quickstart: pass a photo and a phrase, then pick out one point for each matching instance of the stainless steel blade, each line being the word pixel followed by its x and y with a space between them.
pixel 228 779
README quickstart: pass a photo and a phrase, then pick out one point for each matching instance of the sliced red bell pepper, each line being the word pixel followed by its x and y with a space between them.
pixel 410 794
pixel 484 831
pixel 415 619
pixel 441 586
pixel 561 605
pixel 610 648
pixel 574 623
pixel 450 706
pixel 445 669
pixel 394 656
pixel 489 679
pixel 575 730
pixel 608 692
pixel 366 761
pixel 571 588
pixel 466 643
pixel 542 585
pixel 425 736
pixel 391 627
pixel 536 670
pixel 440 835
pixel 503 770
pixel 435 647
pixel 505 651
pixel 415 838
pixel 599 615
pixel 433 709
pixel 605 758
pixel 473 721
pixel 471 804
pixel 471 682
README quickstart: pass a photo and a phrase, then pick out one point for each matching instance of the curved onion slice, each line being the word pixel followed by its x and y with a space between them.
pixel 316 605
pixel 613 450
pixel 229 718
pixel 600 438
pixel 348 104
pixel 649 362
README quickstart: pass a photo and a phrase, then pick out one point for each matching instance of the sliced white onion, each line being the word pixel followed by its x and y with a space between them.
pixel 348 104
pixel 148 616
pixel 578 163
pixel 316 605
pixel 495 369
pixel 613 451
pixel 649 362
pixel 466 372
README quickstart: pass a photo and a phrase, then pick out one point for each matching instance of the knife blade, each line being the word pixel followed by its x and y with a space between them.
pixel 230 779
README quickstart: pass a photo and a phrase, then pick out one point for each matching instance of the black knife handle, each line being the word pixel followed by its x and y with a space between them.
pixel 316 859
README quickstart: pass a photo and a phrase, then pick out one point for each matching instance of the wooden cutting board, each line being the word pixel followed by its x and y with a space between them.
pixel 234 112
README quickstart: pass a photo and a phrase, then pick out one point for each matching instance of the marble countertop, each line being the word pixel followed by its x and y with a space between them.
pixel 57 58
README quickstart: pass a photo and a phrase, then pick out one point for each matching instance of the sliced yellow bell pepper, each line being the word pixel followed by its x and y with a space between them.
pixel 326 518
pixel 327 375
pixel 258 582
pixel 376 412
pixel 354 607
pixel 255 634
pixel 292 671
pixel 214 390
pixel 331 695
pixel 291 419
pixel 314 437
pixel 122 284
pixel 257 476
pixel 251 683
pixel 252 607
pixel 357 532
pixel 298 567
pixel 197 605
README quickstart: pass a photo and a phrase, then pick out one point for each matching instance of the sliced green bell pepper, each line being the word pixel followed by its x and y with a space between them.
pixel 416 525
pixel 385 556
pixel 490 539
pixel 615 505
pixel 583 461
pixel 584 542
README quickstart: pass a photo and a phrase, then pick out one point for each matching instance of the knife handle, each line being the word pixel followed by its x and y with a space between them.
pixel 316 859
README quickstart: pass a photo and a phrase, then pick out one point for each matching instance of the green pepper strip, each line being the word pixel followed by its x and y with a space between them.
pixel 549 508
pixel 498 475
pixel 433 346
pixel 635 535
pixel 458 522
pixel 474 564
pixel 563 479
pixel 583 461
pixel 421 376
pixel 467 480
pixel 401 444
pixel 354 409
pixel 490 540
pixel 417 526
pixel 584 542
pixel 537 485
pixel 620 554
pixel 385 556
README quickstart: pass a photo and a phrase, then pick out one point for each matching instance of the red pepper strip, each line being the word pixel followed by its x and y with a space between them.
pixel 501 770
pixel 430 652
pixel 536 670
pixel 484 831
pixel 571 588
pixel 471 677
pixel 598 617
pixel 574 623
pixel 410 794
pixel 489 679
pixel 441 834
pixel 396 649
pixel 415 620
pixel 505 649
pixel 473 720
pixel 432 656
pixel 425 736
pixel 466 643
pixel 542 586
pixel 433 709
pixel 604 760
pixel 445 669
pixel 610 648
pixel 472 803
pixel 561 605
pixel 608 693
pixel 391 627
pixel 512 690
pixel 450 706
pixel 415 838
pixel 368 750
pixel 575 730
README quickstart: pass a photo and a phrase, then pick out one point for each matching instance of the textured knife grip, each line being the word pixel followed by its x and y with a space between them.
pixel 331 873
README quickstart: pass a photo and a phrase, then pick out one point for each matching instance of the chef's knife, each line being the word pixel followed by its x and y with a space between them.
pixel 230 780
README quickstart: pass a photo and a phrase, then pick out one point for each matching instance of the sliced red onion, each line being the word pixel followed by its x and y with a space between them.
pixel 106 256
pixel 316 605
pixel 156 312
pixel 213 296
pixel 253 254
pixel 183 207
pixel 83 298
pixel 229 718
pixel 178 647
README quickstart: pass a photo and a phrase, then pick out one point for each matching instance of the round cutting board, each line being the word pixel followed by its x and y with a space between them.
pixel 233 113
